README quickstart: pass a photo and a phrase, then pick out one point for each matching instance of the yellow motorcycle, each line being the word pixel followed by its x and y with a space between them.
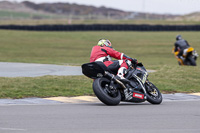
pixel 189 57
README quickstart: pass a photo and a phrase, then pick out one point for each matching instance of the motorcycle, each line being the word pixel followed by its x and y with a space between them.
pixel 110 90
pixel 189 57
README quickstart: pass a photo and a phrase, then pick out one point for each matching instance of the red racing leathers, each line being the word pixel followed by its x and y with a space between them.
pixel 104 54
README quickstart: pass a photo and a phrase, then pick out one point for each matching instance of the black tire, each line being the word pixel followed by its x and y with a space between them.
pixel 153 94
pixel 101 93
pixel 191 61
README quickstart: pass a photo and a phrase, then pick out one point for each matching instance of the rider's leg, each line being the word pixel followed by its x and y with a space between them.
pixel 123 69
pixel 180 54
pixel 112 66
pixel 119 67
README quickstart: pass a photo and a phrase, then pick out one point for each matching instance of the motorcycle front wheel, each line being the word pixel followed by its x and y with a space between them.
pixel 104 94
pixel 153 94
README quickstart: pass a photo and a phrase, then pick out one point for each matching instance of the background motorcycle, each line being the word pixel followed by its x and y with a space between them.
pixel 111 91
pixel 189 57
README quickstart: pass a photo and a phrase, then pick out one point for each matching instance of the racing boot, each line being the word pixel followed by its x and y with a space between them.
pixel 181 57
pixel 120 75
pixel 181 60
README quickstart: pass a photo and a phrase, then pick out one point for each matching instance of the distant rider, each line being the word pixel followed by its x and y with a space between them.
pixel 180 45
pixel 103 52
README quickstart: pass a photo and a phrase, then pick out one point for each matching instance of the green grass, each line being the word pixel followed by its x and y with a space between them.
pixel 27 19
pixel 4 14
pixel 171 79
pixel 45 86
pixel 73 48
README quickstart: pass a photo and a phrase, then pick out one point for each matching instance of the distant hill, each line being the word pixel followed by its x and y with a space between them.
pixel 14 10
pixel 73 11
pixel 6 5
pixel 77 10
pixel 189 17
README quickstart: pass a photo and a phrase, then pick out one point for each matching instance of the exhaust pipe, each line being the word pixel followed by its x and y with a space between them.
pixel 114 78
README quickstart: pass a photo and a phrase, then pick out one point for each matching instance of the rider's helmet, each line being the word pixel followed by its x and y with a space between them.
pixel 178 37
pixel 104 42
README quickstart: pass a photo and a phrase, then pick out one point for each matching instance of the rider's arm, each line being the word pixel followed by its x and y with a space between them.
pixel 126 57
pixel 134 61
pixel 120 56
pixel 187 43
pixel 117 55
pixel 113 53
pixel 176 47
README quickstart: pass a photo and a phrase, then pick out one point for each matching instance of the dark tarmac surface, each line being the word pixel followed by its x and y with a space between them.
pixel 8 69
pixel 175 116
pixel 32 101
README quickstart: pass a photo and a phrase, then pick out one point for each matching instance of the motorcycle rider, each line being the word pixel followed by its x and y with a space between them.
pixel 103 52
pixel 180 45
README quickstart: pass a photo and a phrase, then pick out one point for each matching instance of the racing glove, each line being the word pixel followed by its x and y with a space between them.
pixel 133 61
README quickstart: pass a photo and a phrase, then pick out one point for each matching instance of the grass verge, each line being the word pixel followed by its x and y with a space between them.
pixel 47 86
pixel 52 20
pixel 73 48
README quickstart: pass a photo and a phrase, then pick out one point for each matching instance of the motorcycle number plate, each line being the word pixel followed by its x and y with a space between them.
pixel 137 95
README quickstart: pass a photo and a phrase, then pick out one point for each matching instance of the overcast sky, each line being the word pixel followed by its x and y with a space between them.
pixel 152 6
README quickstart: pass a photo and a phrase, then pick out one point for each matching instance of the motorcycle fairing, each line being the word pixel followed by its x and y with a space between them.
pixel 140 66
pixel 176 53
pixel 141 73
pixel 180 61
pixel 185 51
pixel 138 95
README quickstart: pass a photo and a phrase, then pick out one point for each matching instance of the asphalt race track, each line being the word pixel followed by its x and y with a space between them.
pixel 8 69
pixel 169 117
pixel 178 113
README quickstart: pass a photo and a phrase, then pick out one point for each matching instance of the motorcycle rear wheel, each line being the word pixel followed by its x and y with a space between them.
pixel 153 94
pixel 191 61
pixel 100 88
